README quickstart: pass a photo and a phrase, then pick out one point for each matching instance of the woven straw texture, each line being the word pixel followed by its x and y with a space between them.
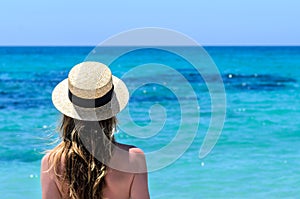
pixel 90 80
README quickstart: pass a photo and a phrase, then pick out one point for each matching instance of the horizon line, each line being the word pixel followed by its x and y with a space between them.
pixel 207 45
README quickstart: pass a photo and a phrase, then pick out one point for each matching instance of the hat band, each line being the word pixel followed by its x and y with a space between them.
pixel 91 103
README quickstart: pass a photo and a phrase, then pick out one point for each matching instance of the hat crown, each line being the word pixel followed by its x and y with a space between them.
pixel 90 80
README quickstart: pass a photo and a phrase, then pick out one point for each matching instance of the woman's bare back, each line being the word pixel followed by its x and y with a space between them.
pixel 119 184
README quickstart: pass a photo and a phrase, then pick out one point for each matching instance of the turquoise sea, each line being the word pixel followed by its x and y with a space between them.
pixel 256 156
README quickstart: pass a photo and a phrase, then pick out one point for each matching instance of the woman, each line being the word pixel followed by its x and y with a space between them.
pixel 88 163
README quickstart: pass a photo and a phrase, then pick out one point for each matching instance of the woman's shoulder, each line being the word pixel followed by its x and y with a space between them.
pixel 47 169
pixel 52 162
pixel 45 161
pixel 130 148
pixel 134 153
pixel 130 158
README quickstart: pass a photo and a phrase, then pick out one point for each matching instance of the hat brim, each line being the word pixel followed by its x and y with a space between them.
pixel 118 102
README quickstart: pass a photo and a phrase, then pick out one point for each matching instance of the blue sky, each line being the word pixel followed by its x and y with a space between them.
pixel 88 22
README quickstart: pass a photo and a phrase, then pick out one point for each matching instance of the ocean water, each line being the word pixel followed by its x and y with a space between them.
pixel 256 156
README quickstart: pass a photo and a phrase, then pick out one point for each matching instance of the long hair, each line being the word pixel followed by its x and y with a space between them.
pixel 79 160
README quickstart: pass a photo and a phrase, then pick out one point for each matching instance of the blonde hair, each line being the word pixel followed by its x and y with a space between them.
pixel 79 160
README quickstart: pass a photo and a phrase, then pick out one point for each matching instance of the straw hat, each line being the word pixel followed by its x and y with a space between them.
pixel 90 93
